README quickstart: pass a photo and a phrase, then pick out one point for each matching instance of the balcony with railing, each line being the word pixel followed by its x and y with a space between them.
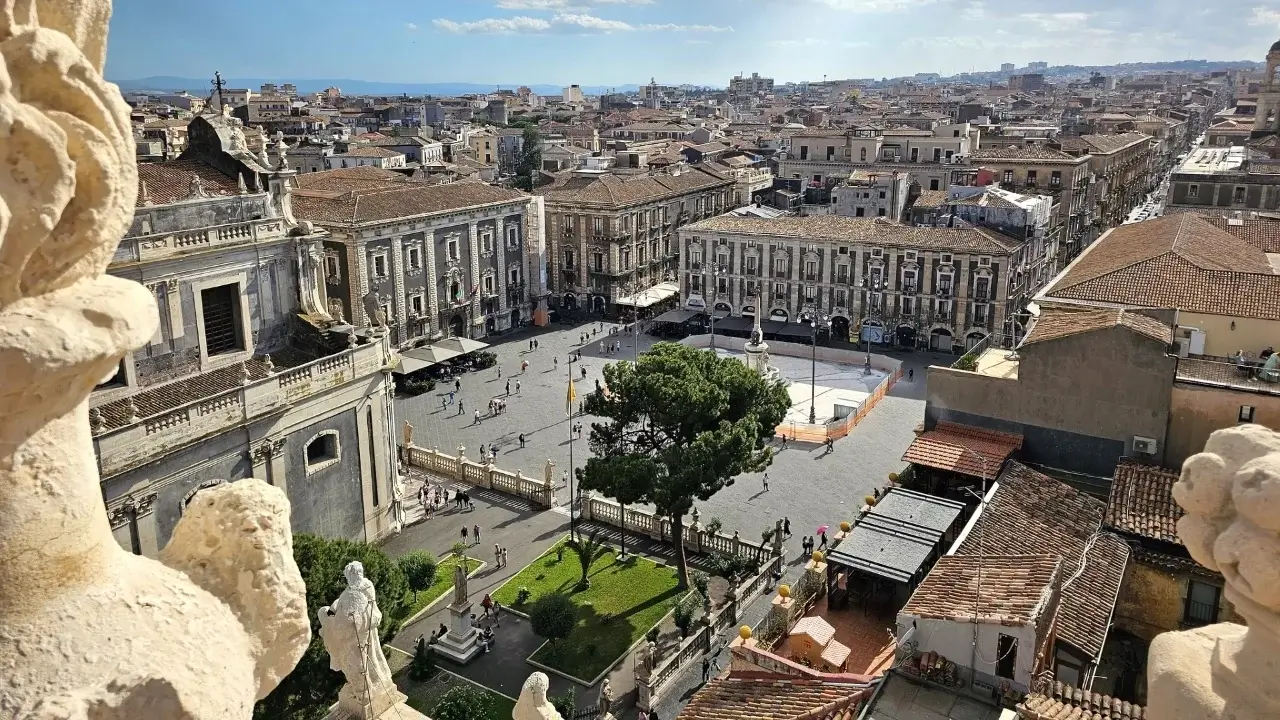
pixel 154 246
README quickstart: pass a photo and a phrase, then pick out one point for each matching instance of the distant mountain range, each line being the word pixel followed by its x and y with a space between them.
pixel 201 86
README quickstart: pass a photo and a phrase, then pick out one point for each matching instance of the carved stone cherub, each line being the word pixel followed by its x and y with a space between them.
pixel 1231 493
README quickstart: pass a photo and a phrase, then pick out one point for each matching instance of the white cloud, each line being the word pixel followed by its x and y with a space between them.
pixel 802 42
pixel 1056 21
pixel 1265 16
pixel 875 6
pixel 571 23
pixel 697 42
pixel 563 4
pixel 411 26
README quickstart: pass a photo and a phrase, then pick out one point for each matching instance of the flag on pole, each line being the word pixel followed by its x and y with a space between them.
pixel 570 398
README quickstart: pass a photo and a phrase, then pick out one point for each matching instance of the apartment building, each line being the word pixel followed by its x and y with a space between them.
pixel 928 155
pixel 613 236
pixel 1122 167
pixel 247 374
pixel 424 261
pixel 1226 179
pixel 871 194
pixel 941 288
pixel 1039 170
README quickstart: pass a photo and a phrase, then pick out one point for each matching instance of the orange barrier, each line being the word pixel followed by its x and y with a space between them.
pixel 804 432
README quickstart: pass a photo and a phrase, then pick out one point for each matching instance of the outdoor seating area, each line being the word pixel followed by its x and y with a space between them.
pixel 445 358
pixel 835 641
pixel 883 557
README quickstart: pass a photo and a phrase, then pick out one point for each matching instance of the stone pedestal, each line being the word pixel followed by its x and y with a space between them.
pixel 462 643
pixel 781 611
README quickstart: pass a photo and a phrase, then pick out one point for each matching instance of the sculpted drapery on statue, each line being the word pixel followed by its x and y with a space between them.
pixel 349 629
pixel 221 618
pixel 313 289
pixel 460 591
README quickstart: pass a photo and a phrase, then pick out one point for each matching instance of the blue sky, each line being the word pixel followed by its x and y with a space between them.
pixel 602 42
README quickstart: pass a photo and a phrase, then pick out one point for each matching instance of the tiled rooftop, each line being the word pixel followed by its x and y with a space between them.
pixel 1109 143
pixel 1037 153
pixel 1223 373
pixel 1057 322
pixel 735 698
pixel 1006 589
pixel 1141 501
pixel 871 230
pixel 867 637
pixel 379 202
pixel 169 182
pixel 611 190
pixel 963 449
pixel 1064 702
pixel 1031 511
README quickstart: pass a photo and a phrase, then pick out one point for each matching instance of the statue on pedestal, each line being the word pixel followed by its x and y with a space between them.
pixel 604 700
pixel 548 472
pixel 349 629
pixel 460 592
pixel 408 434
pixel 1231 493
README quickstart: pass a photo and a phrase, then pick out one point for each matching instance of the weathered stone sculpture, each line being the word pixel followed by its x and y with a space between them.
pixel 88 630
pixel 349 629
pixel 1231 493
pixel 533 703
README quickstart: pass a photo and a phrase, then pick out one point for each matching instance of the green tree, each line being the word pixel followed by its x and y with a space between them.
pixel 308 691
pixel 625 478
pixel 552 618
pixel 698 418
pixel 459 551
pixel 464 701
pixel 530 162
pixel 419 568
pixel 588 551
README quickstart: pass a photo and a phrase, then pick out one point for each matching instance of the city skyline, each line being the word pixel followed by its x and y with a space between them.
pixel 702 43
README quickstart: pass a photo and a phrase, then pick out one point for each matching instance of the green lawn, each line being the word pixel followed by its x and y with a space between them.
pixel 423 696
pixel 442 584
pixel 623 602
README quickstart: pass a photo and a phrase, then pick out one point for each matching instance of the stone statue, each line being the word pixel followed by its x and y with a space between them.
pixel 349 629
pixel 604 700
pixel 650 659
pixel 460 593
pixel 533 703
pixel 1231 493
pixel 373 308
pixel 549 472
pixel 408 434
pixel 313 291
pixel 89 629
pixel 335 310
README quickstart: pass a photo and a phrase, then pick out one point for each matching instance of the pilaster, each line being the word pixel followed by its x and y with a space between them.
pixel 433 279
pixel 397 279
pixel 473 240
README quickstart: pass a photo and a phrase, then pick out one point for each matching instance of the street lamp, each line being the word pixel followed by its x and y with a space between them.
pixel 816 318
pixel 717 272
pixel 875 284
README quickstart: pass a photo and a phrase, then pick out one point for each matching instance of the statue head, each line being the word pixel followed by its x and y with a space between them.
pixel 1231 493
pixel 535 688
pixel 353 572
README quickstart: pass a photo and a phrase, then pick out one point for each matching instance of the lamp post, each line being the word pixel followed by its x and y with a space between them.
pixel 717 271
pixel 869 286
pixel 815 318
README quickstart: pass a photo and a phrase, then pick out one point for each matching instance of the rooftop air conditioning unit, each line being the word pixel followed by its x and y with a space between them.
pixel 1144 445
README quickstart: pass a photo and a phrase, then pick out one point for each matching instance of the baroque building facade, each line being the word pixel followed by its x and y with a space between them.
pixel 246 375
pixel 941 288
pixel 425 261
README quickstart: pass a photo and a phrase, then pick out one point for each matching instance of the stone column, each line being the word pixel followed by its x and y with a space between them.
pixel 782 608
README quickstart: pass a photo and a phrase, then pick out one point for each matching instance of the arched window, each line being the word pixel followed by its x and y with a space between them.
pixel 323 451
pixel 455 291
pixel 864 154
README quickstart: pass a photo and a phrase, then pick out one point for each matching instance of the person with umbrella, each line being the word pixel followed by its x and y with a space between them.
pixel 822 537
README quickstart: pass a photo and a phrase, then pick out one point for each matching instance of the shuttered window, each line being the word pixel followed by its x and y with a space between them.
pixel 221 308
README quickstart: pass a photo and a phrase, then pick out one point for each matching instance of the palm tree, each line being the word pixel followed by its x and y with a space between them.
pixel 588 551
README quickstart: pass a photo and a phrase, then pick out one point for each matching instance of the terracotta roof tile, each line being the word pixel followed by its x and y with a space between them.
pixel 815 627
pixel 871 230
pixel 1261 232
pixel 1033 512
pixel 962 449
pixel 1064 702
pixel 169 182
pixel 613 191
pixel 1015 589
pixel 369 151
pixel 1141 502
pixel 1037 153
pixel 379 202
pixel 1056 322
pixel 735 698
pixel 1109 143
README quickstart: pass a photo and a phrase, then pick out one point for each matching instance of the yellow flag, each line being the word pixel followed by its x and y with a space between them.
pixel 570 399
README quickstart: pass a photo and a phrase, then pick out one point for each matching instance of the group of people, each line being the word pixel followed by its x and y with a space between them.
pixel 499 555
pixel 476 530
pixel 435 497
pixel 611 348
pixel 809 546
pixel 517 386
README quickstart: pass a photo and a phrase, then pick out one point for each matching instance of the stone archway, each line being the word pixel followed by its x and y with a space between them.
pixel 515 318
pixel 973 338
pixel 840 328
pixel 940 340
pixel 457 326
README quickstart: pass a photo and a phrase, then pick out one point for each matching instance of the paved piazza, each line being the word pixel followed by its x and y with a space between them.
pixel 806 484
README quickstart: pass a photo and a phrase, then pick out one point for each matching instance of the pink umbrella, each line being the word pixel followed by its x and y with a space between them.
pixel 822 529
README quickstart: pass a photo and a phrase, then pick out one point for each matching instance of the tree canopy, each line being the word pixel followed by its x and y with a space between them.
pixel 553 617
pixel 530 161
pixel 308 691
pixel 685 419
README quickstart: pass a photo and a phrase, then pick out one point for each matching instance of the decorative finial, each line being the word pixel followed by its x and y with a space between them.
pixel 246 378
pixel 143 194
pixel 818 557
pixel 240 186
pixel 784 591
pixel 132 407
pixel 96 421
pixel 270 366
pixel 744 632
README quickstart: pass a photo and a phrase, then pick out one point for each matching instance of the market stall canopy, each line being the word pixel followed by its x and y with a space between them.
pixel 733 324
pixel 411 361
pixel 896 539
pixel 963 449
pixel 460 345
pixel 651 296
pixel 431 354
pixel 795 330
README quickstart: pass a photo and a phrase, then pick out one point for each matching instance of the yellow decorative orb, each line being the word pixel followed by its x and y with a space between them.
pixel 844 527
pixel 817 556
pixel 784 591
pixel 893 477
pixel 744 632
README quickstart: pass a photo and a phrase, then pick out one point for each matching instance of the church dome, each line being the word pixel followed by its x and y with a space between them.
pixel 1275 47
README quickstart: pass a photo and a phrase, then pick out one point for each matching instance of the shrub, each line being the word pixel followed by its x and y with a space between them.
pixel 464 701
pixel 485 359
pixel 416 386
pixel 732 567
pixel 522 595
pixel 714 525
pixel 566 704
pixel 552 618
pixel 652 635
pixel 683 616
pixel 419 568
pixel 701 582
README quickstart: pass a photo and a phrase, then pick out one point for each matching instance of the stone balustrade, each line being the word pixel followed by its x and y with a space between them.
pixel 643 522
pixel 160 245
pixel 122 448
pixel 461 469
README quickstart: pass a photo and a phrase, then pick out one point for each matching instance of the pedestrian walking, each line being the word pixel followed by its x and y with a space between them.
pixel 584 372
pixel 784 441
pixel 521 441
pixel 464 534
pixel 786 526
pixel 487 604
pixel 766 482
pixel 457 384
pixel 821 546
pixel 911 374
pixel 504 557
pixel 601 347
pixel 531 346
pixel 459 406
pixel 476 529
pixel 444 403
pixel 508 386
pixel 706 668
pixel 450 397
pixel 476 421
pixel 481 451
pixel 535 344
pixel 556 361
pixel 497 555
pixel 524 365
pixel 517 387
pixel 497 609
pixel 499 372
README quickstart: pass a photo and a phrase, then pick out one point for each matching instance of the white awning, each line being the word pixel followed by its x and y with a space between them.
pixel 406 365
pixel 460 345
pixel 651 296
